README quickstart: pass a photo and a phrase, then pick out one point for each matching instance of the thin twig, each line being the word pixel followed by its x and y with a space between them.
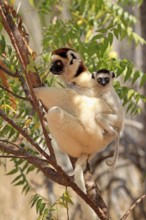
pixel 41 164
pixel 17 96
pixel 24 134
pixel 8 156
pixel 132 207
pixel 7 71
pixel 16 74
pixel 8 142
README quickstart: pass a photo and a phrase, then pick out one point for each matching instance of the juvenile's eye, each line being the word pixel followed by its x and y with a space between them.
pixel 107 79
pixel 99 79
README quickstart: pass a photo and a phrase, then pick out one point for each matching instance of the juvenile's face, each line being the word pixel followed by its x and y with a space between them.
pixel 103 77
pixel 103 80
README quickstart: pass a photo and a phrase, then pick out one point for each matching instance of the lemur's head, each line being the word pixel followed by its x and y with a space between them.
pixel 67 63
pixel 103 77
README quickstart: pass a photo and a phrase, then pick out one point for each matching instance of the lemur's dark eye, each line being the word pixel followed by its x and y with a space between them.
pixel 107 79
pixel 56 67
pixel 59 63
pixel 99 80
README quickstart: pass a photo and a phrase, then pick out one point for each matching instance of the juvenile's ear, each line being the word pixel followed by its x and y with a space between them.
pixel 113 74
pixel 93 75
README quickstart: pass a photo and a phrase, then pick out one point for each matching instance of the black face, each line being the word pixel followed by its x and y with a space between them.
pixel 57 67
pixel 103 81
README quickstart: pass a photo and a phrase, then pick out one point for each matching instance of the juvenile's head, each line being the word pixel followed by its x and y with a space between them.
pixel 67 63
pixel 103 77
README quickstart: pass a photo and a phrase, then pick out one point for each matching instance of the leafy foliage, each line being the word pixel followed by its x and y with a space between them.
pixel 21 168
pixel 47 210
pixel 91 31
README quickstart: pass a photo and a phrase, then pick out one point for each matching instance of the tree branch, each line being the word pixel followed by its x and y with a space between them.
pixel 17 96
pixel 62 178
pixel 41 164
pixel 7 71
pixel 125 216
pixel 24 134
pixel 94 193
pixel 23 53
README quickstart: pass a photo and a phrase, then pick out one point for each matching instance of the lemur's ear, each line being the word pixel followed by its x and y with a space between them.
pixel 93 75
pixel 113 75
pixel 73 58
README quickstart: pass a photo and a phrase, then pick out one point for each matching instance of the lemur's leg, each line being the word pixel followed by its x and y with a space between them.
pixel 80 167
pixel 67 131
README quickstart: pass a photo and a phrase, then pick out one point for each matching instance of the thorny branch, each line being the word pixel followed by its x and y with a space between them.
pixel 23 53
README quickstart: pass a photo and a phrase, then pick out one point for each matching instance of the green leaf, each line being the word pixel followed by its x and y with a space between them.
pixel 128 74
pixel 17 178
pixel 21 182
pixel 136 76
pixel 116 32
pixel 12 171
pixel 38 205
pixel 2 44
pixel 19 161
pixel 30 169
pixel 97 36
pixel 34 199
pixel 143 80
pixel 110 38
pixel 25 166
pixel 41 208
pixel 129 107
pixel 26 188
pixel 130 93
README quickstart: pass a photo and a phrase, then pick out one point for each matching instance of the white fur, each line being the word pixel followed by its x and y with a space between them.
pixel 112 122
pixel 73 117
pixel 72 122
